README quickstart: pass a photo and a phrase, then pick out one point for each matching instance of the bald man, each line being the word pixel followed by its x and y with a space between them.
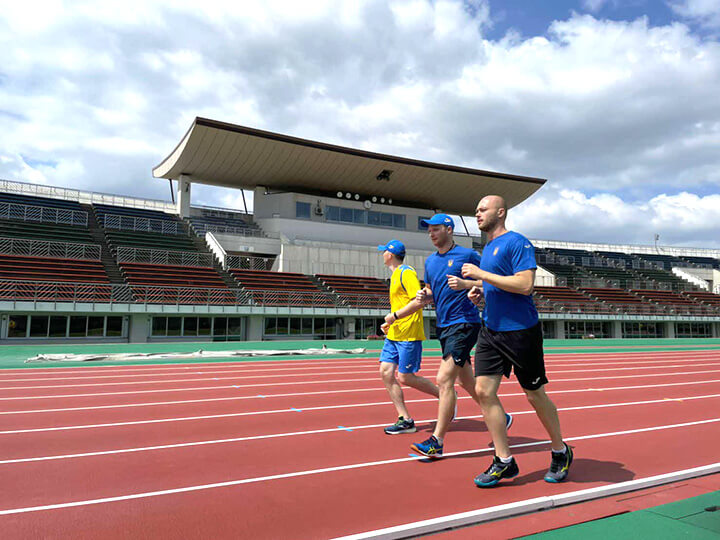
pixel 510 339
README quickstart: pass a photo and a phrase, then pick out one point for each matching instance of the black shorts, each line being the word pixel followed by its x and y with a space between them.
pixel 498 353
pixel 457 340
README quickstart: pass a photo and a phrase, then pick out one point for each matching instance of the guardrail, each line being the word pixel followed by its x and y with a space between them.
pixel 44 248
pixel 141 224
pixel 202 228
pixel 44 214
pixel 156 256
pixel 249 262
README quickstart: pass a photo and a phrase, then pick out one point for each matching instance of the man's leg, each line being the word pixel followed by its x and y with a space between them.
pixel 486 387
pixel 387 373
pixel 547 413
pixel 447 374
pixel 419 383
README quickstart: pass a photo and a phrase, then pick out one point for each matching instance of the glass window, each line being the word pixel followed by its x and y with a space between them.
pixel 332 213
pixel 39 325
pixel 319 326
pixel 270 326
pixel 220 326
pixel 346 215
pixel 295 326
pixel 58 326
pixel 307 326
pixel 159 326
pixel 373 218
pixel 96 326
pixel 18 326
pixel 189 326
pixel 204 326
pixel 282 326
pixel 421 225
pixel 386 220
pixel 399 221
pixel 359 217
pixel 113 327
pixel 234 326
pixel 302 210
pixel 173 326
pixel 330 328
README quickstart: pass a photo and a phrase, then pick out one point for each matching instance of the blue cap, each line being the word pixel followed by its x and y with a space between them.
pixel 439 219
pixel 396 247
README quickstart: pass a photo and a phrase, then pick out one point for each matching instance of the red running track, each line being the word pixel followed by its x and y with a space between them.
pixel 169 451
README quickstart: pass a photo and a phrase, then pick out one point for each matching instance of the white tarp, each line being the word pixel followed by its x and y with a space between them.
pixel 188 355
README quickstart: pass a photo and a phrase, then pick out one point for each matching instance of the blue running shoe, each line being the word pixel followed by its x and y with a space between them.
pixel 496 472
pixel 401 426
pixel 508 420
pixel 430 448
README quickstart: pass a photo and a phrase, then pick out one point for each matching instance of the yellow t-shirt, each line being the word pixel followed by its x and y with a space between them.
pixel 404 285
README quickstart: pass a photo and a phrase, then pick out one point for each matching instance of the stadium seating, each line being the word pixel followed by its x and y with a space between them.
pixel 567 300
pixel 622 299
pixel 705 298
pixel 274 288
pixel 47 202
pixel 224 225
pixel 32 230
pixel 702 261
pixel 358 291
pixel 676 302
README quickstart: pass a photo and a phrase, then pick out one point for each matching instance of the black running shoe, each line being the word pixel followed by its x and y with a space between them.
pixel 401 426
pixel 559 466
pixel 496 472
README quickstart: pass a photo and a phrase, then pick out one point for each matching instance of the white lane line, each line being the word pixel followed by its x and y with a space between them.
pixel 333 430
pixel 266 374
pixel 322 392
pixel 282 476
pixel 504 511
pixel 317 408
pixel 256 385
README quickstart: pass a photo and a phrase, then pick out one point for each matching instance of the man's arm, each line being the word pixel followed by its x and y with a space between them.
pixel 411 307
pixel 522 282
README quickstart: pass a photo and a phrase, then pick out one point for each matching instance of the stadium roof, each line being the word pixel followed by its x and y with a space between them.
pixel 228 155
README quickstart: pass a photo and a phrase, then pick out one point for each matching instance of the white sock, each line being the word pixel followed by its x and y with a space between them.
pixel 439 440
pixel 505 460
pixel 563 451
pixel 408 419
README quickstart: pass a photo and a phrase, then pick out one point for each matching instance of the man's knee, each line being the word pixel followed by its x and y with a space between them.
pixel 486 388
pixel 406 378
pixel 537 397
pixel 387 371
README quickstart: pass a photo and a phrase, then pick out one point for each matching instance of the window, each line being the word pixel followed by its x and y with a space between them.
pixel 332 213
pixel 282 326
pixel 693 330
pixel 190 326
pixel 234 326
pixel 39 325
pixel 270 326
pixel 295 326
pixel 346 215
pixel 113 327
pixel 96 326
pixel 173 326
pixel 359 217
pixel 421 225
pixel 643 330
pixel 367 327
pixel 159 326
pixel 307 326
pixel 548 329
pixel 433 329
pixel 587 329
pixel 58 326
pixel 302 210
pixel 398 221
pixel 18 326
pixel 373 218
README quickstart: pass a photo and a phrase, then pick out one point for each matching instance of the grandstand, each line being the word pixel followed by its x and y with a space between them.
pixel 303 263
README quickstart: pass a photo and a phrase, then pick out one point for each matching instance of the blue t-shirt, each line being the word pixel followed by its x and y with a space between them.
pixel 504 311
pixel 451 307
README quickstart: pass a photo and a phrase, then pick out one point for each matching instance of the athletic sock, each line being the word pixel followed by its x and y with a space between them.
pixel 563 451
pixel 505 460
pixel 408 419
pixel 439 440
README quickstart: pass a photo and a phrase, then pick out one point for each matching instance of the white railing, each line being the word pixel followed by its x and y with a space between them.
pixel 158 256
pixel 86 197
pixel 202 228
pixel 45 214
pixel 217 249
pixel 141 224
pixel 629 248
pixel 248 262
pixel 43 248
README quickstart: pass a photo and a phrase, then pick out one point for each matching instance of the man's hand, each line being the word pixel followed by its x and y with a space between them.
pixel 471 271
pixel 424 296
pixel 390 318
pixel 385 327
pixel 457 284
pixel 475 295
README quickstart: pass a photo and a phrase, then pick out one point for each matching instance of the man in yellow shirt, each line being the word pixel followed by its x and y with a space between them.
pixel 405 333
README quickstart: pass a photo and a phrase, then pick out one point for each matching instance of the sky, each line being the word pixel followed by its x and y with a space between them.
pixel 615 102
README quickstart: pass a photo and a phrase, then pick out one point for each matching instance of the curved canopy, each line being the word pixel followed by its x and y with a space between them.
pixel 228 155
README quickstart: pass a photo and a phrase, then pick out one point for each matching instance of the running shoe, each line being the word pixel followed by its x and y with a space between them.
pixel 430 448
pixel 559 466
pixel 508 420
pixel 496 472
pixel 401 426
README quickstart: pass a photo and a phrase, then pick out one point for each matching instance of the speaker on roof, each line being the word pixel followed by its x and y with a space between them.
pixel 318 209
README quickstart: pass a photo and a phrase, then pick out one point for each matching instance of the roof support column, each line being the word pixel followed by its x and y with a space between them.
pixel 183 198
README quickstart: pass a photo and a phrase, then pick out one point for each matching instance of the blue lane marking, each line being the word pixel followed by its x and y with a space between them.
pixel 413 455
pixel 235 386
pixel 260 395
pixel 296 410
pixel 345 428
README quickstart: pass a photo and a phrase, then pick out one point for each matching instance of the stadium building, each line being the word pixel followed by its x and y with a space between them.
pixel 303 264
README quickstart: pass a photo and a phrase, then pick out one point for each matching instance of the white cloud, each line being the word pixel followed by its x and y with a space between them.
pixel 706 12
pixel 594 5
pixel 93 95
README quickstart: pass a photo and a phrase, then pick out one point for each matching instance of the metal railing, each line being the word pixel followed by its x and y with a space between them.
pixel 243 262
pixel 141 224
pixel 202 228
pixel 44 248
pixel 157 256
pixel 44 214
pixel 87 197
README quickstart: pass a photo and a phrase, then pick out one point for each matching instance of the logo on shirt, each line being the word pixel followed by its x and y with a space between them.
pixel 527 246
pixel 450 262
pixel 496 250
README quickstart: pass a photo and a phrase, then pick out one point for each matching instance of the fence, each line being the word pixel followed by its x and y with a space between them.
pixel 156 256
pixel 248 262
pixel 202 228
pixel 141 224
pixel 45 214
pixel 43 248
